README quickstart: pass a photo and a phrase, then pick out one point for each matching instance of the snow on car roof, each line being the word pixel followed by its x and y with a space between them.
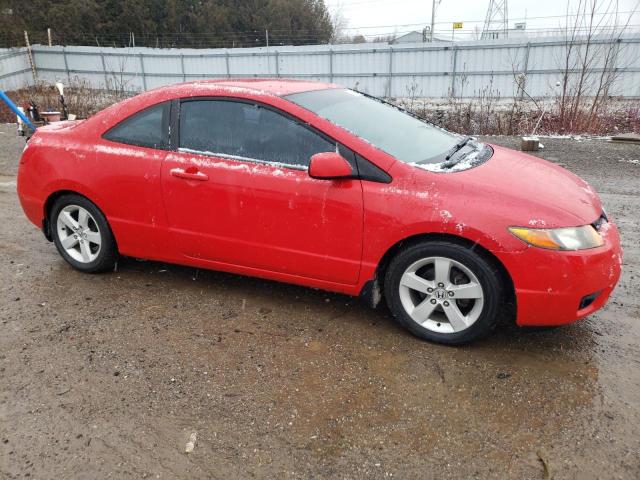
pixel 250 87
pixel 272 86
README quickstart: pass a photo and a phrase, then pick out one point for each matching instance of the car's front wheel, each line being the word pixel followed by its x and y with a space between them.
pixel 82 235
pixel 444 292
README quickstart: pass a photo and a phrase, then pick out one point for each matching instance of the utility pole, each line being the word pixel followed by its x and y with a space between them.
pixel 433 17
pixel 266 36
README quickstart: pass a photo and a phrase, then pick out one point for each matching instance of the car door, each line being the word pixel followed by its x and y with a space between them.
pixel 237 191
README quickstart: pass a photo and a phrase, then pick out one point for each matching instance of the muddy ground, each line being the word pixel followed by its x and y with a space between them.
pixel 107 376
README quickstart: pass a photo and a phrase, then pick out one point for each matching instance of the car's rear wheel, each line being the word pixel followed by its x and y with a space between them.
pixel 444 292
pixel 82 235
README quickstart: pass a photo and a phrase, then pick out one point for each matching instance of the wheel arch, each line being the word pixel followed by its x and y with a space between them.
pixel 372 290
pixel 51 200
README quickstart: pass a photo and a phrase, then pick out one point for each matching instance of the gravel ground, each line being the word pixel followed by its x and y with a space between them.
pixel 108 376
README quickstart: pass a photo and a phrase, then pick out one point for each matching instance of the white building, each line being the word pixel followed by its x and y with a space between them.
pixel 418 37
pixel 519 30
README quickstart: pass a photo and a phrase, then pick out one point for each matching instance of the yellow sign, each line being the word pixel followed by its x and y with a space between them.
pixel 457 25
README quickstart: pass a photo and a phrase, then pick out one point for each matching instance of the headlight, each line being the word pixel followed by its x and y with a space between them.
pixel 571 238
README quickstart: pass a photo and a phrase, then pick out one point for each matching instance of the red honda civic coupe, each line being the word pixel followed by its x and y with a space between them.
pixel 318 185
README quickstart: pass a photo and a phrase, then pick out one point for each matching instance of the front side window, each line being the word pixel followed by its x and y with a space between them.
pixel 146 128
pixel 248 131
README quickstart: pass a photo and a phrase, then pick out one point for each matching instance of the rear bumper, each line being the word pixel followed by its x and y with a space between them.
pixel 557 288
pixel 32 207
pixel 30 191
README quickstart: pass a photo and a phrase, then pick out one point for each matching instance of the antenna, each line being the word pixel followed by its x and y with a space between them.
pixel 496 23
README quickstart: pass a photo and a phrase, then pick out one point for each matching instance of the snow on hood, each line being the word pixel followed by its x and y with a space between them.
pixel 470 160
pixel 521 189
pixel 540 193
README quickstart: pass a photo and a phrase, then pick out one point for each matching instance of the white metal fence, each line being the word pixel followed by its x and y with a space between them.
pixel 15 69
pixel 435 70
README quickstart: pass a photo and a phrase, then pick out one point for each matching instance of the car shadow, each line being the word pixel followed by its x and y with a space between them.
pixel 338 308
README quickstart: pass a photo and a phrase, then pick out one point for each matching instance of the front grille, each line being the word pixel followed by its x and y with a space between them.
pixel 602 219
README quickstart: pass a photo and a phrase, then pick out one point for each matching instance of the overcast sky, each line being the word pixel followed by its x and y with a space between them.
pixel 405 13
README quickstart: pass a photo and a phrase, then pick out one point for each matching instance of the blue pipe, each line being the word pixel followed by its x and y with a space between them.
pixel 12 106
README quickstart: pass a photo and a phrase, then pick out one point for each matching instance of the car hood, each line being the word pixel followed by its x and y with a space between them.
pixel 521 189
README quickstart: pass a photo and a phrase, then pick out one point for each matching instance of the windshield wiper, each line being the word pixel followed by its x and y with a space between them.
pixel 457 147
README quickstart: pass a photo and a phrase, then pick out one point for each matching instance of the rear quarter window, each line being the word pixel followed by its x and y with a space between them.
pixel 147 128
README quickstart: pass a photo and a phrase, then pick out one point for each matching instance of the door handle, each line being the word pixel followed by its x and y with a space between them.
pixel 187 175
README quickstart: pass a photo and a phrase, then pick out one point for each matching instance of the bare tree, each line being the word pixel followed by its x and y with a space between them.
pixel 590 62
pixel 339 23
pixel 118 80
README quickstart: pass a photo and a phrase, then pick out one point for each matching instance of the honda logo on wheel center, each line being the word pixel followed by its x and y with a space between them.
pixel 440 294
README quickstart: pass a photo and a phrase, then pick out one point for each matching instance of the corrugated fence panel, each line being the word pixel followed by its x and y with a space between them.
pixel 316 64
pixel 251 65
pixel 464 69
pixel 15 70
pixel 361 63
pixel 627 85
pixel 198 66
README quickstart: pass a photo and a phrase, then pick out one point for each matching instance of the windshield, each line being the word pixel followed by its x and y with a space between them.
pixel 386 127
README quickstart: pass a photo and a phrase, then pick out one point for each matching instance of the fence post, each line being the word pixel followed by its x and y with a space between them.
pixel 144 76
pixel 226 59
pixel 66 64
pixel 453 71
pixel 277 64
pixel 330 65
pixel 30 56
pixel 104 69
pixel 614 66
pixel 390 71
pixel 184 75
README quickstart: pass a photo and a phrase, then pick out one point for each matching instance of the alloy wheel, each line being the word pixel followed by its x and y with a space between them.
pixel 441 294
pixel 79 233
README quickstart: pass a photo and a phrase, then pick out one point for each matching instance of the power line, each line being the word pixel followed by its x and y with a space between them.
pixel 443 22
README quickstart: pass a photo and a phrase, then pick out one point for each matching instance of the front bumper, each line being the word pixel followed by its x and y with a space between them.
pixel 557 288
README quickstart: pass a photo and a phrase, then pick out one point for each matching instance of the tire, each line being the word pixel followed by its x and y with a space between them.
pixel 465 298
pixel 82 235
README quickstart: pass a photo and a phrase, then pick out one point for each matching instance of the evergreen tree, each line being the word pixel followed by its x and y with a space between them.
pixel 166 23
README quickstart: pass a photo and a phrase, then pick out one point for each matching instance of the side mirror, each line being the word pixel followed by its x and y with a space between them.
pixel 329 166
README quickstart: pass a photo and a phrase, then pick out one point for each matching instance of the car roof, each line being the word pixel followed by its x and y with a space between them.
pixel 242 88
pixel 269 86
